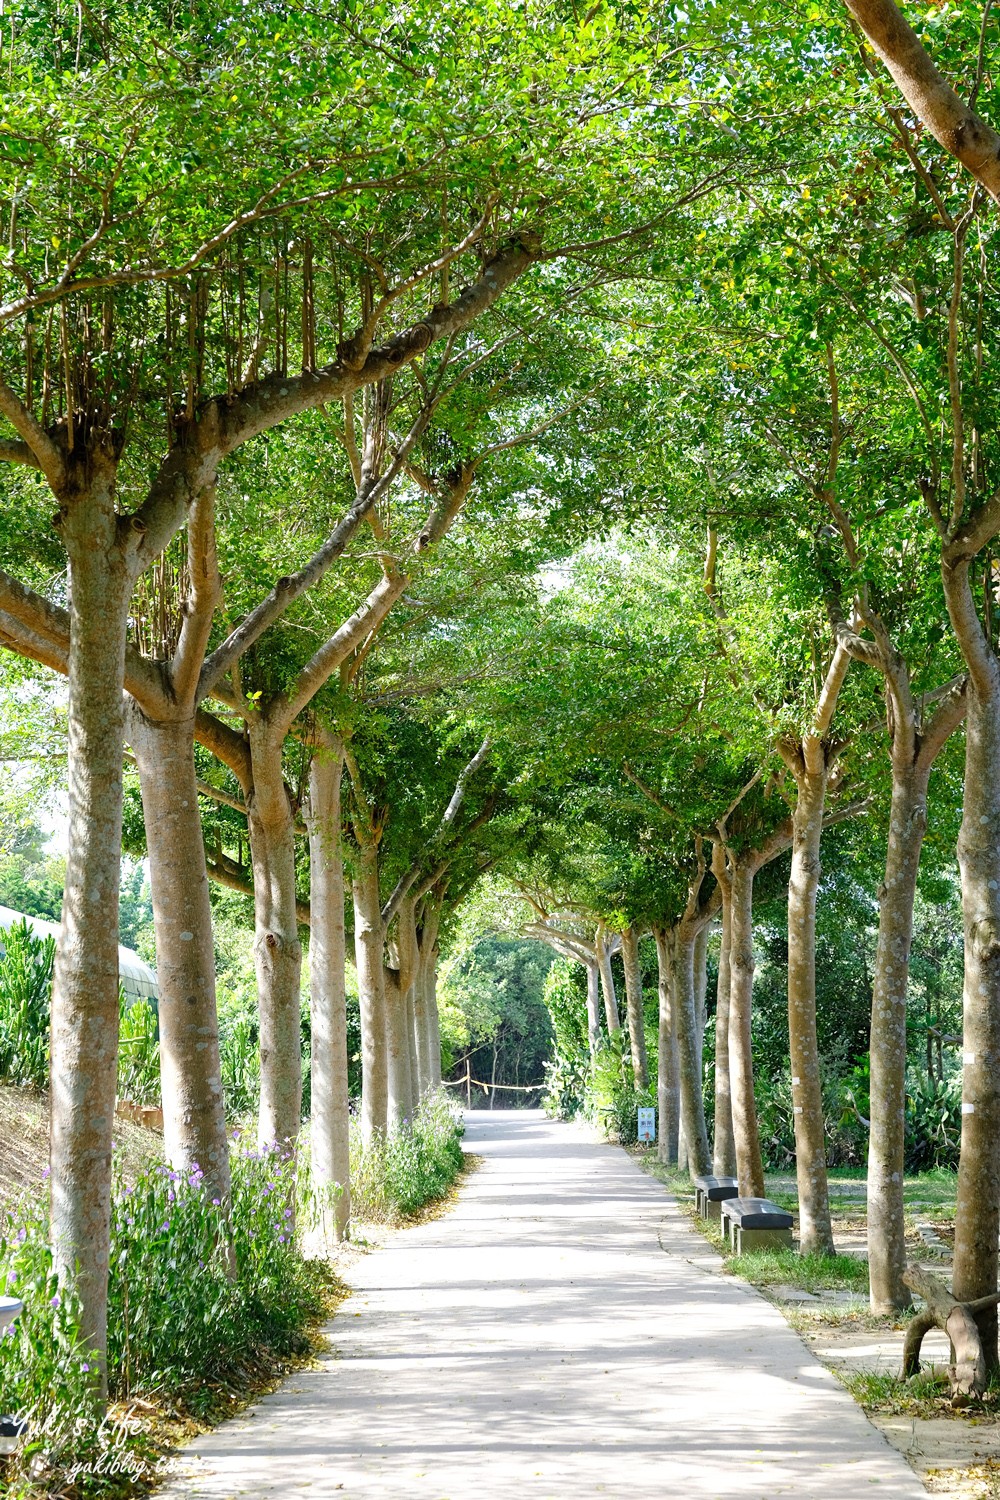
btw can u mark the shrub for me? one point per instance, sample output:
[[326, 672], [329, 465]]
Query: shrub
[[196, 1306], [240, 1056], [25, 1002], [567, 1076], [933, 1121], [395, 1177], [138, 1053], [613, 1098], [25, 991]]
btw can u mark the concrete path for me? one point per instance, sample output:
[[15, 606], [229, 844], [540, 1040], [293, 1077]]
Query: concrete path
[[560, 1333]]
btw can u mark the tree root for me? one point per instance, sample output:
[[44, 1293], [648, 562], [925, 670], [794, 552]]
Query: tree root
[[967, 1371]]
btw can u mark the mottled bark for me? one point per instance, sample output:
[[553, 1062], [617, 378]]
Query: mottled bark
[[399, 1015], [668, 1073], [724, 1145], [749, 1163], [277, 949], [84, 1034], [426, 981], [603, 950], [701, 989], [194, 1119], [886, 1227], [915, 738], [369, 940], [815, 1227], [411, 1035], [636, 1018], [398, 1048], [977, 1213], [809, 760], [699, 1157], [593, 1006], [330, 1125], [421, 1027], [434, 1024]]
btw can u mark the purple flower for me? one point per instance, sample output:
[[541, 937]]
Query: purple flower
[[216, 1202], [55, 1301], [85, 1366]]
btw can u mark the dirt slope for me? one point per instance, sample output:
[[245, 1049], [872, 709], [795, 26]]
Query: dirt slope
[[24, 1144]]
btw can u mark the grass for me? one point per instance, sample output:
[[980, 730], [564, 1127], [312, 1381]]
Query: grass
[[394, 1179], [764, 1268], [925, 1194], [809, 1272], [881, 1391]]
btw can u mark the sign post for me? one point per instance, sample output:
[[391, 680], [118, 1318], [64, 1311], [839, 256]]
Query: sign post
[[647, 1124]]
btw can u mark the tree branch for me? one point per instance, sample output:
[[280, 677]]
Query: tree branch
[[13, 452], [203, 565], [49, 459], [957, 127], [946, 719], [22, 641]]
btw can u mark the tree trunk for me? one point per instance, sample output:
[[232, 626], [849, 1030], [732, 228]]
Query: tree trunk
[[411, 1042], [724, 1150], [593, 1007], [330, 1128], [749, 1165], [421, 1028], [409, 949], [636, 1019], [194, 1117], [399, 1017], [434, 1027], [399, 1103], [608, 987], [815, 1228], [397, 1032], [977, 1214], [369, 946], [699, 1158], [84, 1035], [429, 954], [701, 994], [886, 1229], [667, 1073], [277, 950], [425, 1013]]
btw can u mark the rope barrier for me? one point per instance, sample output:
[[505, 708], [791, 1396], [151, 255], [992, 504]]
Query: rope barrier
[[468, 1080]]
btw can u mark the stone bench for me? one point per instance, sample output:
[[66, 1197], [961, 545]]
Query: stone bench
[[756, 1224], [711, 1192], [10, 1307]]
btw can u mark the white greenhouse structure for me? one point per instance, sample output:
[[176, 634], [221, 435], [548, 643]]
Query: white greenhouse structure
[[137, 979]]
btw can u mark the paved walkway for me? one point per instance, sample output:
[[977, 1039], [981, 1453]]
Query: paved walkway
[[560, 1333]]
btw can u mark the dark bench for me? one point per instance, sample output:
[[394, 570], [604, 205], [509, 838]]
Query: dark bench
[[711, 1192], [756, 1224], [11, 1428]]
